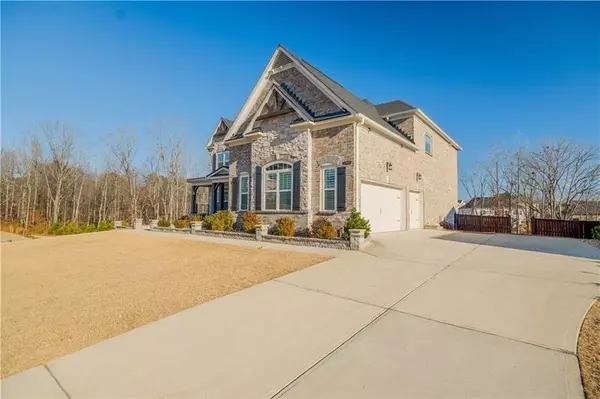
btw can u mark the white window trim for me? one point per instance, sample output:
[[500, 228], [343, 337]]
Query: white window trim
[[323, 169], [222, 153], [265, 191], [430, 152], [242, 176]]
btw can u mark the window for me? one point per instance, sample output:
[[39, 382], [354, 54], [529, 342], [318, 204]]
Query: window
[[329, 180], [428, 144], [278, 187], [222, 159], [243, 203]]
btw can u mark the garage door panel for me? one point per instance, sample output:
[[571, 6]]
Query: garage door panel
[[383, 206]]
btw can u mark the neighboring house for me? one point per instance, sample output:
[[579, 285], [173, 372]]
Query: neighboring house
[[304, 147], [500, 205], [586, 210]]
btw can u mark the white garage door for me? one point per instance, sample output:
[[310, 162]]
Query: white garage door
[[383, 206]]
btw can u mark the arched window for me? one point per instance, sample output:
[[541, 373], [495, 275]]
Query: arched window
[[278, 187]]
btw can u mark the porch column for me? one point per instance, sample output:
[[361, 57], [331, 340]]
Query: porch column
[[194, 207], [214, 199]]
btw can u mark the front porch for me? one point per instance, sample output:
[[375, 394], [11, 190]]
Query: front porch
[[210, 194]]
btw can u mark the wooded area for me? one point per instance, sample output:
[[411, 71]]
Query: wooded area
[[551, 180], [47, 179]]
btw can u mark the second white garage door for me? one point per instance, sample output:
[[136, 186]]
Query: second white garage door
[[383, 206]]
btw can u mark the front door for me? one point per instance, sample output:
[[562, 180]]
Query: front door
[[415, 210]]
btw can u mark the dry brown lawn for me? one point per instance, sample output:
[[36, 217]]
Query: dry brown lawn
[[588, 352], [62, 294]]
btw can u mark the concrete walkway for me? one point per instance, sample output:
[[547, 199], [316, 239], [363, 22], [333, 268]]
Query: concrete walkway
[[417, 315]]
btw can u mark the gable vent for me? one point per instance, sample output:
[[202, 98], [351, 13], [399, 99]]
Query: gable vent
[[281, 60]]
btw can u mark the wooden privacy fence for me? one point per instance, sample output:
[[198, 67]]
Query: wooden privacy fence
[[563, 228], [484, 224]]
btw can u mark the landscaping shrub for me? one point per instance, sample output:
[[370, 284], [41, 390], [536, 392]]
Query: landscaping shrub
[[197, 218], [124, 223], [322, 228], [55, 228], [88, 228], [105, 225], [596, 233], [249, 222], [220, 221], [286, 227], [356, 221], [182, 224], [164, 223], [71, 228]]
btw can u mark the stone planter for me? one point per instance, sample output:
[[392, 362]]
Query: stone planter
[[261, 230], [138, 224], [196, 226], [153, 223], [118, 223]]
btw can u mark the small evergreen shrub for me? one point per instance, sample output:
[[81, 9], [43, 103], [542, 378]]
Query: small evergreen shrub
[[596, 233], [105, 225], [322, 228], [356, 221], [286, 227], [164, 223], [55, 228], [220, 221], [182, 224], [124, 223], [249, 222], [88, 228]]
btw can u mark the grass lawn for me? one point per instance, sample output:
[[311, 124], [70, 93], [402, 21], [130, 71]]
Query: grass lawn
[[588, 352], [61, 294]]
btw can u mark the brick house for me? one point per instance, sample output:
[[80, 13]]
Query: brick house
[[304, 147]]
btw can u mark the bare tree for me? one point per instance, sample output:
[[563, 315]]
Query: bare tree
[[124, 149]]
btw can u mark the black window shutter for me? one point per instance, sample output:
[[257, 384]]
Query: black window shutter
[[258, 188], [234, 194], [296, 186], [341, 189], [214, 162]]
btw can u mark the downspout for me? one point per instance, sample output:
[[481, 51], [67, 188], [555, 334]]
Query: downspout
[[356, 167]]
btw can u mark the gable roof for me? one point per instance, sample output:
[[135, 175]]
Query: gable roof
[[226, 122], [360, 106], [393, 107]]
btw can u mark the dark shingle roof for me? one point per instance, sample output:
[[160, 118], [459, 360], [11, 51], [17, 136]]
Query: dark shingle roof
[[360, 106], [228, 122], [393, 107]]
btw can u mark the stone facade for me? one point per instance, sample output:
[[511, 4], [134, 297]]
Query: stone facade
[[439, 181], [332, 147], [308, 92]]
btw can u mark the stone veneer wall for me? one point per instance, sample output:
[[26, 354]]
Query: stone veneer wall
[[335, 147], [439, 183], [306, 91]]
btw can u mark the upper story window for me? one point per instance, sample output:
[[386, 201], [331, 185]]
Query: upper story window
[[329, 185], [222, 159], [428, 144], [278, 187]]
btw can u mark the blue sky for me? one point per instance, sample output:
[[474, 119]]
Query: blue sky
[[485, 72]]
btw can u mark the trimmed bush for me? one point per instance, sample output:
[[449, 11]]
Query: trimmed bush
[[220, 221], [596, 233], [322, 228], [88, 228], [182, 224], [55, 228], [124, 223], [164, 223], [356, 221], [286, 227], [105, 225], [249, 222]]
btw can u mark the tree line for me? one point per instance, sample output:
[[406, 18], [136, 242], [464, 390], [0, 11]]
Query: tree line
[[48, 179], [553, 180]]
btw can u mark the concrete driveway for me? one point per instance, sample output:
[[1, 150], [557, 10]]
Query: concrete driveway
[[419, 314]]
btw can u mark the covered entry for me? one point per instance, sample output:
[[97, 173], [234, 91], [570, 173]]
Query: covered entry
[[383, 206], [217, 184]]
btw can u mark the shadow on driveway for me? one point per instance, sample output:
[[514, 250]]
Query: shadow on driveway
[[549, 245]]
